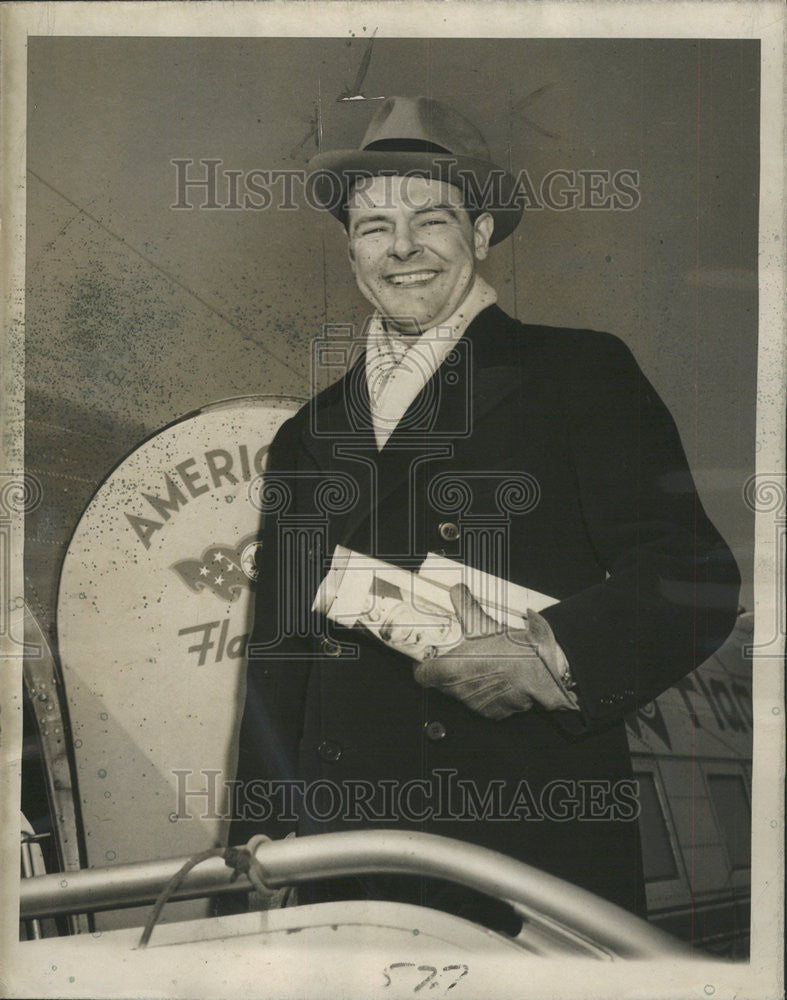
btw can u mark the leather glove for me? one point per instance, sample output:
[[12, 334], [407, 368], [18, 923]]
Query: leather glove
[[496, 671]]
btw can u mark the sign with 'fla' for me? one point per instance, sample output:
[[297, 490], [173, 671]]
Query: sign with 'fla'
[[154, 612]]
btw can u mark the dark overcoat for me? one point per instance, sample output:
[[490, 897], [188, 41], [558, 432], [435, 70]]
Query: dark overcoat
[[542, 455]]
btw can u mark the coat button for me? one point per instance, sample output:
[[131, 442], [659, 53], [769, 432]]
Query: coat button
[[434, 731], [330, 647], [330, 750], [449, 532]]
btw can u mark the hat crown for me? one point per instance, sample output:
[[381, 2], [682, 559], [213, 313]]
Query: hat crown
[[418, 136], [408, 123]]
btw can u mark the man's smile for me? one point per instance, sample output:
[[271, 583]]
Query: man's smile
[[411, 278]]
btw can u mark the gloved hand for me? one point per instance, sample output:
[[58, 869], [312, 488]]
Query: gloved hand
[[496, 671]]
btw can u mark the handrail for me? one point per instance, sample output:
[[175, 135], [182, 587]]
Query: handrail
[[294, 860]]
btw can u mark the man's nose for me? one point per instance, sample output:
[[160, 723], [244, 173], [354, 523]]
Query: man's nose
[[404, 245]]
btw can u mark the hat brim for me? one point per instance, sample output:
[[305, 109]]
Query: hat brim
[[485, 187]]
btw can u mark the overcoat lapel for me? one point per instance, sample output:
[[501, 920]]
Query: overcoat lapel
[[450, 407]]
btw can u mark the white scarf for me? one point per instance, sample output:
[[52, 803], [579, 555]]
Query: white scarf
[[398, 365]]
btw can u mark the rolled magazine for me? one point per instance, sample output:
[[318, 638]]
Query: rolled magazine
[[413, 612]]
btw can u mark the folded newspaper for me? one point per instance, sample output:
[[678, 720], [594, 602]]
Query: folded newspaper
[[413, 612]]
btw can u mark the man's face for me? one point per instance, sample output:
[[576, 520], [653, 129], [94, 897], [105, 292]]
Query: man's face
[[413, 249], [406, 625]]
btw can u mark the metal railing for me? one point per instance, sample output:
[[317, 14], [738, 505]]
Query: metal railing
[[562, 908]]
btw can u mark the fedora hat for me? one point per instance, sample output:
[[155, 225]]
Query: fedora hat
[[418, 136]]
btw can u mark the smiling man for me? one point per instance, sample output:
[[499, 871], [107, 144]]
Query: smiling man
[[413, 249], [539, 455]]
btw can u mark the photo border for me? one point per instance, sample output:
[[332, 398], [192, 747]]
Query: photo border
[[761, 975]]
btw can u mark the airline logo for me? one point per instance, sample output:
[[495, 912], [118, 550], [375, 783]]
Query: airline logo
[[224, 571]]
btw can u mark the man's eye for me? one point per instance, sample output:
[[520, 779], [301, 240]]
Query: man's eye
[[434, 222], [371, 230]]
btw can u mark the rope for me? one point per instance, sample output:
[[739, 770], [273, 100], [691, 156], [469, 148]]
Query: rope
[[244, 862], [240, 859]]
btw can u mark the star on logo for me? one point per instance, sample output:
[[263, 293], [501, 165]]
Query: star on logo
[[218, 570]]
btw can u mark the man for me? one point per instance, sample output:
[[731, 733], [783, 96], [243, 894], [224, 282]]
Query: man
[[539, 455]]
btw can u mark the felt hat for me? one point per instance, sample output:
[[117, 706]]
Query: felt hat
[[418, 136]]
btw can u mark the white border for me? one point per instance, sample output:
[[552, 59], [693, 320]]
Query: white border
[[762, 976]]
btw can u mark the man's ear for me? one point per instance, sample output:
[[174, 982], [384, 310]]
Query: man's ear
[[483, 227]]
